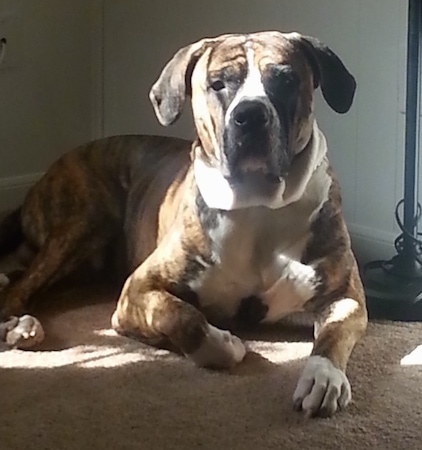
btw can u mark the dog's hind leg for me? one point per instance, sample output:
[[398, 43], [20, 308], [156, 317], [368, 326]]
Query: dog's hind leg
[[64, 250]]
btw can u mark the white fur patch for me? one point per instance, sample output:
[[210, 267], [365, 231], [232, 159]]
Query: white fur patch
[[215, 189], [302, 274], [322, 388], [220, 349], [218, 194], [342, 309], [295, 286]]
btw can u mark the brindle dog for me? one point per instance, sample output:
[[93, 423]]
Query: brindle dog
[[244, 224]]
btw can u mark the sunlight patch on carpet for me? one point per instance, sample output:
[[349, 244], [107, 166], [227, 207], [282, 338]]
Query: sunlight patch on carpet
[[414, 358], [281, 352], [105, 348], [105, 332], [85, 356]]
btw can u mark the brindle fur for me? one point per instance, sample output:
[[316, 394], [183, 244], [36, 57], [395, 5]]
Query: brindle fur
[[138, 196]]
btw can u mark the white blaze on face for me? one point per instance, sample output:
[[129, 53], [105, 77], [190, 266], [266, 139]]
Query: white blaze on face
[[252, 87]]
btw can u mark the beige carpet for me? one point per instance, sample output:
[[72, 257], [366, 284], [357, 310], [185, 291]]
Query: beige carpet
[[88, 388]]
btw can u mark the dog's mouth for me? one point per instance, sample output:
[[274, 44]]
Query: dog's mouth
[[255, 162], [258, 183], [255, 171], [254, 178]]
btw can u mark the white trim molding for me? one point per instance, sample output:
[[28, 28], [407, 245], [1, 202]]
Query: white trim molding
[[13, 189], [370, 244]]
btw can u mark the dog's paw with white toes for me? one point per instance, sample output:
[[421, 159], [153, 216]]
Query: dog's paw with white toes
[[26, 332], [322, 388], [219, 350]]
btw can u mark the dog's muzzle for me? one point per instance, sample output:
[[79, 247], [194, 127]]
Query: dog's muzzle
[[250, 142]]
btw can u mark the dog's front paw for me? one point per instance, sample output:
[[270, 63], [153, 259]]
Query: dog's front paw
[[322, 388], [219, 350], [26, 332]]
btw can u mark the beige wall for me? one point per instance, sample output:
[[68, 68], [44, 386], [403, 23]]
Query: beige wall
[[59, 95], [366, 145], [46, 98]]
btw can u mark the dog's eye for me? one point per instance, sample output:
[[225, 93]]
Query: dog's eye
[[284, 74], [217, 85]]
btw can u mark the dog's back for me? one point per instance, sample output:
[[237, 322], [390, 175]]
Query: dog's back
[[96, 176], [93, 184]]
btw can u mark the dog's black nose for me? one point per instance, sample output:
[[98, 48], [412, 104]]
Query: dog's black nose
[[250, 113]]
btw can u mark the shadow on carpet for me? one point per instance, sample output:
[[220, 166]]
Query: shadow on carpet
[[86, 387]]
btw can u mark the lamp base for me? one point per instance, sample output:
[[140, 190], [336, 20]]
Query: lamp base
[[392, 297]]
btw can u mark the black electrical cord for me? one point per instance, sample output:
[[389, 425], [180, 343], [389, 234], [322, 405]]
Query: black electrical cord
[[399, 241], [415, 240]]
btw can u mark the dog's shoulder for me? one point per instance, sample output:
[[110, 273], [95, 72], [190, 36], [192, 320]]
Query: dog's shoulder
[[328, 232]]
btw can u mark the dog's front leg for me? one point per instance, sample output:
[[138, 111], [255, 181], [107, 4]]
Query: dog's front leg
[[148, 311], [323, 386]]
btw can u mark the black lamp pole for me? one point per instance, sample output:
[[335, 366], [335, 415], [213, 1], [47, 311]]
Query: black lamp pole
[[410, 205]]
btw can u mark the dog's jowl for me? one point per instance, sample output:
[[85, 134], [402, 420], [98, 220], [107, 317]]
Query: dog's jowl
[[244, 225]]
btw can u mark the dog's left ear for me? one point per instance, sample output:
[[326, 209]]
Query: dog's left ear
[[337, 84], [168, 94]]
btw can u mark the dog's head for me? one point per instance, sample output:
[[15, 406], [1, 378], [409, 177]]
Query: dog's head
[[252, 102]]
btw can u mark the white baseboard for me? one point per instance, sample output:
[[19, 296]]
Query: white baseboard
[[370, 244], [13, 189]]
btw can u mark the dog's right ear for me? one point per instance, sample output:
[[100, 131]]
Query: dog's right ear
[[337, 84], [169, 92]]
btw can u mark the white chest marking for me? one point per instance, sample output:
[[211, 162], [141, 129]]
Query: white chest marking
[[218, 194], [215, 189], [282, 282], [233, 277]]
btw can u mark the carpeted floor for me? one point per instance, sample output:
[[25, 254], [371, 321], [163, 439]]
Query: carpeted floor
[[87, 388]]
